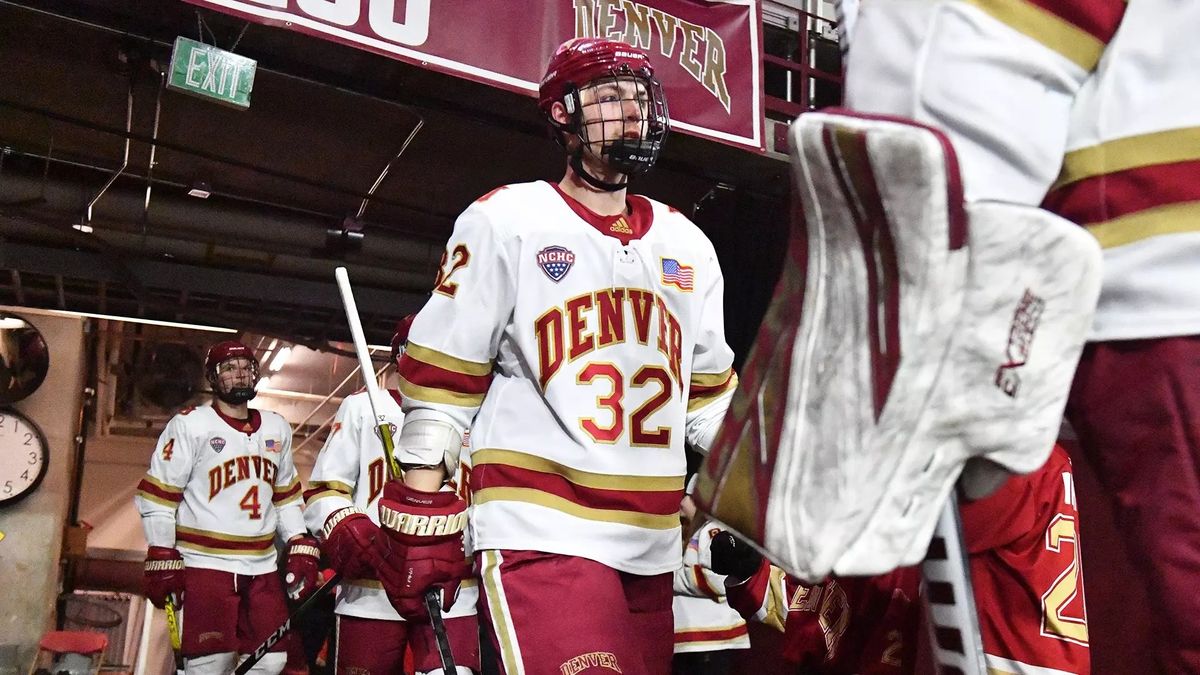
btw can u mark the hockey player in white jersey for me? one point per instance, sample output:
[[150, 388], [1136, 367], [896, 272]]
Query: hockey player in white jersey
[[707, 629], [341, 508], [581, 328], [220, 488]]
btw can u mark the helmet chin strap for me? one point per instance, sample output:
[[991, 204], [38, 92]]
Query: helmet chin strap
[[577, 165]]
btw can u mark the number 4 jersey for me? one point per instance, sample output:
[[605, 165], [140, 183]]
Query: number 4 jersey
[[591, 347], [226, 485]]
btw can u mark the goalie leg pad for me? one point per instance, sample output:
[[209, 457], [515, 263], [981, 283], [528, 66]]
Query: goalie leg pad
[[917, 313]]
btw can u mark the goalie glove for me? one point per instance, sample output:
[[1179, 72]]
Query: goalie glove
[[421, 547], [163, 576], [303, 566], [350, 543]]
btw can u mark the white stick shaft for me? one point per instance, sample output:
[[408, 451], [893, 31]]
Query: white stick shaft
[[360, 341]]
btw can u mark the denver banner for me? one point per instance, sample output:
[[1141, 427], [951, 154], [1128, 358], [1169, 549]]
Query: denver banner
[[707, 53]]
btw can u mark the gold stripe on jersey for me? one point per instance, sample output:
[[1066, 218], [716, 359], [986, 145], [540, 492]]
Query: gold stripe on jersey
[[161, 485], [602, 481], [157, 499], [1131, 152], [698, 401], [447, 362], [536, 497], [1168, 219], [1071, 42], [322, 489], [711, 379], [498, 610], [247, 545], [444, 396], [335, 485], [281, 496]]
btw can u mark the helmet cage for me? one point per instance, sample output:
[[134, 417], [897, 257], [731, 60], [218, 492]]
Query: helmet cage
[[627, 155], [219, 355]]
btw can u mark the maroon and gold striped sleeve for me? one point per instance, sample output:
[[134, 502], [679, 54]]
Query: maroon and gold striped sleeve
[[1132, 188], [706, 388], [429, 376], [154, 490]]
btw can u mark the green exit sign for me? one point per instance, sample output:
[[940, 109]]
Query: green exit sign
[[214, 74]]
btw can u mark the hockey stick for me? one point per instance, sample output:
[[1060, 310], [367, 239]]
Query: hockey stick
[[173, 629], [432, 601], [953, 622], [364, 363], [245, 666]]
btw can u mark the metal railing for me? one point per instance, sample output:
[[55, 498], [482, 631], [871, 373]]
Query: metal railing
[[809, 76]]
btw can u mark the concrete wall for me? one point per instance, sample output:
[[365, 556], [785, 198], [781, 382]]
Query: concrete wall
[[33, 528]]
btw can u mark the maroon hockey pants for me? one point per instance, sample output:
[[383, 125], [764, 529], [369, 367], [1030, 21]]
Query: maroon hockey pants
[[1135, 406]]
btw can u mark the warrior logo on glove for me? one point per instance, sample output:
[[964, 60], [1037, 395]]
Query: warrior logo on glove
[[422, 547]]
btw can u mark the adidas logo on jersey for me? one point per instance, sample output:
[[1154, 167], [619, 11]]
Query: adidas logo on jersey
[[620, 226]]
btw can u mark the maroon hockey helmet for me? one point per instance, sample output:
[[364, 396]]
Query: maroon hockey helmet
[[581, 62], [222, 352], [400, 338]]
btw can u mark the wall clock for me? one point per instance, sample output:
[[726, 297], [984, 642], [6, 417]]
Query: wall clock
[[24, 456]]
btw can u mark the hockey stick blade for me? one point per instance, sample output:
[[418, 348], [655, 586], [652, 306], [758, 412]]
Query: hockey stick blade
[[173, 630], [433, 604], [277, 635]]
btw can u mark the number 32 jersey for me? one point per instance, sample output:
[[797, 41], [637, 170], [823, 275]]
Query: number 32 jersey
[[591, 347], [229, 485]]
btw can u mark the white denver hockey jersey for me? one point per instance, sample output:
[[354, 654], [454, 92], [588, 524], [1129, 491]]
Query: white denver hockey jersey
[[350, 471], [589, 353], [704, 621], [228, 485]]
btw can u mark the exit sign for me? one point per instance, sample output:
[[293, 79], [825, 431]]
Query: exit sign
[[214, 74]]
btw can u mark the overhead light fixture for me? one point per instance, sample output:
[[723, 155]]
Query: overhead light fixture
[[82, 227], [199, 188]]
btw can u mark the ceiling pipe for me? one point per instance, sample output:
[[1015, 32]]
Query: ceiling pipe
[[125, 158]]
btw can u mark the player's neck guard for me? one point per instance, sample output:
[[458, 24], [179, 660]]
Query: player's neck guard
[[577, 165]]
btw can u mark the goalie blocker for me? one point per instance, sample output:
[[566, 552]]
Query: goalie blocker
[[920, 332]]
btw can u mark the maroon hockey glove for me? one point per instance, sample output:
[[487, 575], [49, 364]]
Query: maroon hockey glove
[[303, 566], [163, 576], [421, 547], [350, 543]]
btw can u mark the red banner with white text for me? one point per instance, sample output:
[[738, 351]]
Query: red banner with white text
[[706, 53]]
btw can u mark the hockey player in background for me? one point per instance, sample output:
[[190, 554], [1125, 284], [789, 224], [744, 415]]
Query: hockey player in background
[[341, 507], [1023, 547], [841, 626], [1091, 110], [220, 488], [707, 629], [581, 328]]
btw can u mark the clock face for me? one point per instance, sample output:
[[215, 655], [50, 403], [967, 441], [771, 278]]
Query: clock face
[[23, 457]]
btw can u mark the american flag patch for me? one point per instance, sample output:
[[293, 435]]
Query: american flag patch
[[272, 445], [678, 275]]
